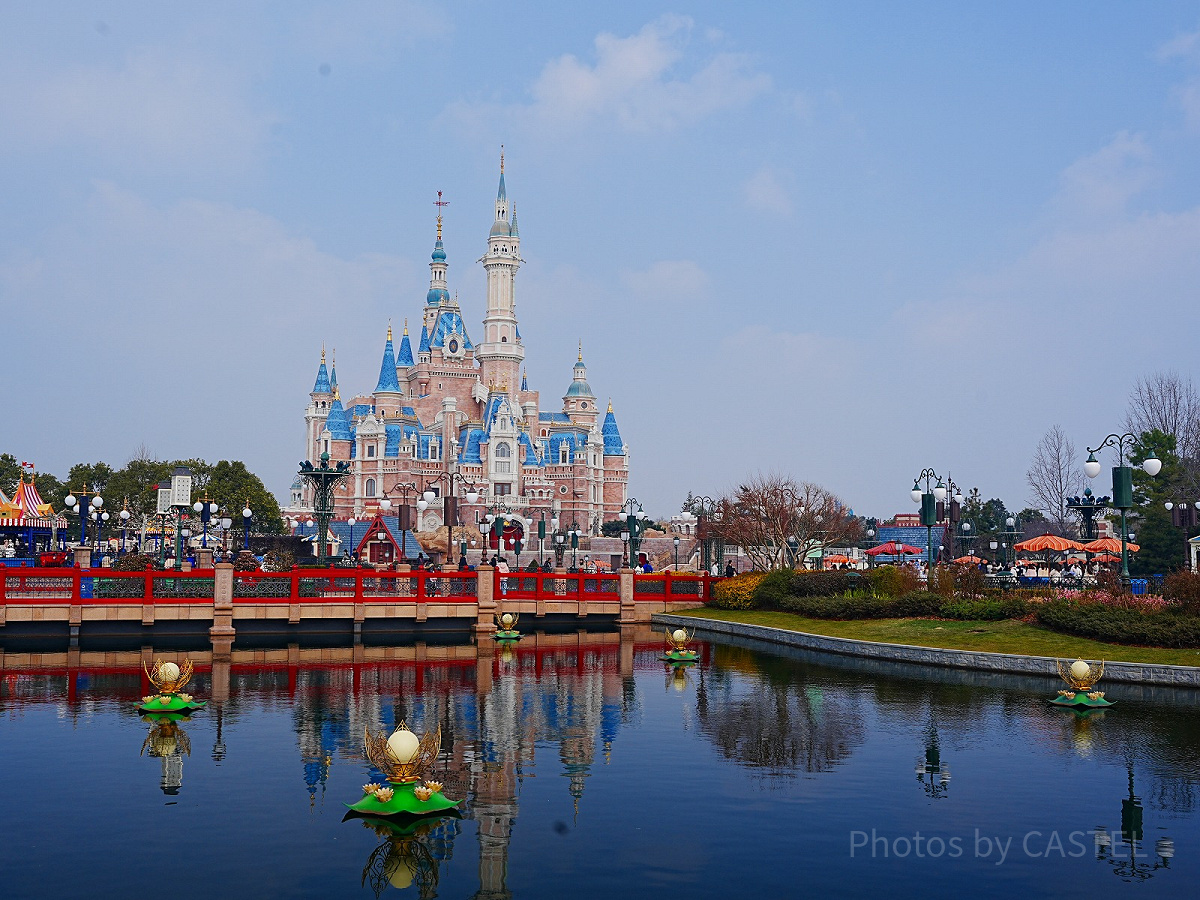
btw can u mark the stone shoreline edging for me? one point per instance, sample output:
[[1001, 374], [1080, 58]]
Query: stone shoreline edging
[[1134, 673]]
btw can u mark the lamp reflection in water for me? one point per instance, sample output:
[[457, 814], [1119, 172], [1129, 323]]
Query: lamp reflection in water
[[932, 773], [409, 855], [1124, 851], [169, 742]]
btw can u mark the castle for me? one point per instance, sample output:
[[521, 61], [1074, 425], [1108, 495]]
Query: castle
[[459, 413]]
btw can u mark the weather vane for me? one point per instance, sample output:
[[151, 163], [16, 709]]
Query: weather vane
[[439, 203]]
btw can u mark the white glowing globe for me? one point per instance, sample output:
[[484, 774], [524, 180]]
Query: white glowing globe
[[1080, 669], [404, 745], [679, 635], [506, 620], [168, 671]]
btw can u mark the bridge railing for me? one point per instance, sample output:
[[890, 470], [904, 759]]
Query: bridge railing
[[62, 586]]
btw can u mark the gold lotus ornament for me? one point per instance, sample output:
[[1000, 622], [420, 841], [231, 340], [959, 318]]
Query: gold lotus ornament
[[1079, 675], [422, 793], [402, 756], [383, 795], [370, 788], [677, 646], [169, 677], [435, 786]]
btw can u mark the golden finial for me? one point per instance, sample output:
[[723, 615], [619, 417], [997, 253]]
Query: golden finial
[[406, 326], [389, 329], [581, 349], [501, 159], [322, 351], [610, 404], [337, 392], [439, 203]]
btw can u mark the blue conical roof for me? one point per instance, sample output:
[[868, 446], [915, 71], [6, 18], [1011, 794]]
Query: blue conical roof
[[337, 422], [423, 347], [387, 369], [405, 357], [322, 386], [613, 445], [500, 194]]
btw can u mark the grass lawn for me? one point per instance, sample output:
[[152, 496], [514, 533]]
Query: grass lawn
[[1009, 636]]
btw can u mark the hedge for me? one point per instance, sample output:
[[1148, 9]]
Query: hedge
[[1169, 628]]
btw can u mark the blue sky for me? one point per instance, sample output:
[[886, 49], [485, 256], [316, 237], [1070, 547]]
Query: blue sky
[[840, 241]]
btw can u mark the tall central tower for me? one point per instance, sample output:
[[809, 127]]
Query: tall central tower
[[501, 352]]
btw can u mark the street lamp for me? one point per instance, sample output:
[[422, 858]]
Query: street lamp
[[705, 510], [403, 514], [1012, 531], [247, 515], [352, 522], [81, 507], [1088, 507], [324, 478], [207, 510], [1122, 482], [226, 524], [574, 533], [676, 543], [99, 518], [1187, 517], [929, 498], [635, 527], [124, 523]]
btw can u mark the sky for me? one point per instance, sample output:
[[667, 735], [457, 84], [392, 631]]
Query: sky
[[838, 241]]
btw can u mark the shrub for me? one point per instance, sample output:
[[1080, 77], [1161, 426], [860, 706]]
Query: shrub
[[245, 562], [737, 592], [774, 589], [823, 584], [854, 605], [1183, 589], [134, 562], [1120, 625], [893, 581], [277, 561], [990, 609], [917, 604]]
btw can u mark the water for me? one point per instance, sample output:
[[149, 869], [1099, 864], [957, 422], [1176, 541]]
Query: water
[[590, 770]]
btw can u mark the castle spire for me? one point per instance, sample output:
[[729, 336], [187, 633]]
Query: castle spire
[[387, 369], [322, 385]]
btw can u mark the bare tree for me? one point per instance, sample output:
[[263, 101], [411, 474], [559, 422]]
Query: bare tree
[[778, 521], [1054, 476], [1169, 402]]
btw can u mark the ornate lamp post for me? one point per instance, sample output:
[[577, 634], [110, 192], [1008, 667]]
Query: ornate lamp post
[[635, 527], [207, 510], [574, 533], [1187, 517], [81, 507], [1122, 476], [676, 543], [1088, 507], [324, 478], [403, 514], [226, 524], [99, 517], [352, 522], [706, 510], [181, 499], [247, 515], [124, 514], [929, 498]]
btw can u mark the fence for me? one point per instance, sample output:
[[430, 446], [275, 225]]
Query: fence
[[58, 586]]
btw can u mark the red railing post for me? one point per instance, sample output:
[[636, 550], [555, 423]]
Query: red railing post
[[294, 584], [148, 585]]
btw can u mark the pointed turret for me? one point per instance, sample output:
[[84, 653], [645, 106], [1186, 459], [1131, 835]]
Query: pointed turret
[[438, 293], [322, 386], [404, 357], [387, 369], [613, 445], [338, 422], [524, 380], [333, 371], [500, 352], [579, 386]]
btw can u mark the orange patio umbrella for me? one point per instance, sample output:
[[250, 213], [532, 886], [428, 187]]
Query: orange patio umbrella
[[1048, 542], [1106, 558], [1108, 545], [970, 560], [837, 559]]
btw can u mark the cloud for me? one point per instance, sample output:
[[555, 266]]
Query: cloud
[[1181, 46], [1102, 183], [668, 281], [204, 324], [765, 191], [652, 81], [151, 110], [358, 32]]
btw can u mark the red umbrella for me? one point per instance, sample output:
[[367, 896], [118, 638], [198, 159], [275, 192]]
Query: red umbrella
[[1048, 542], [969, 560], [894, 548]]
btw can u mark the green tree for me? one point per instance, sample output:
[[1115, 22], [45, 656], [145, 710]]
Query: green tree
[[137, 484], [51, 490], [1162, 544], [10, 473], [94, 475], [232, 485]]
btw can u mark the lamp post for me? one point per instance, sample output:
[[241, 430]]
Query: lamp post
[[124, 514], [99, 517], [706, 510], [324, 478], [1012, 531], [870, 534], [676, 543], [226, 524], [247, 515], [1187, 517], [181, 499], [1088, 508], [352, 522], [929, 498], [403, 514], [635, 526], [207, 510], [82, 507], [1122, 484], [574, 533]]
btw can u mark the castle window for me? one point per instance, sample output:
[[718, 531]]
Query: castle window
[[504, 339], [433, 450], [503, 450], [370, 487], [562, 455], [370, 450], [501, 490]]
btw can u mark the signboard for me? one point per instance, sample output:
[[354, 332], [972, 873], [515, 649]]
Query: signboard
[[181, 490], [164, 501]]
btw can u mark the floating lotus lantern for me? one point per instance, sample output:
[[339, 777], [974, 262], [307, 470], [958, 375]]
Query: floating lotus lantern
[[169, 680], [403, 759], [677, 647], [170, 743], [506, 627], [1081, 678], [403, 858]]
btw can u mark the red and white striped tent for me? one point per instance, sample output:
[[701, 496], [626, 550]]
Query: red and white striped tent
[[26, 509]]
